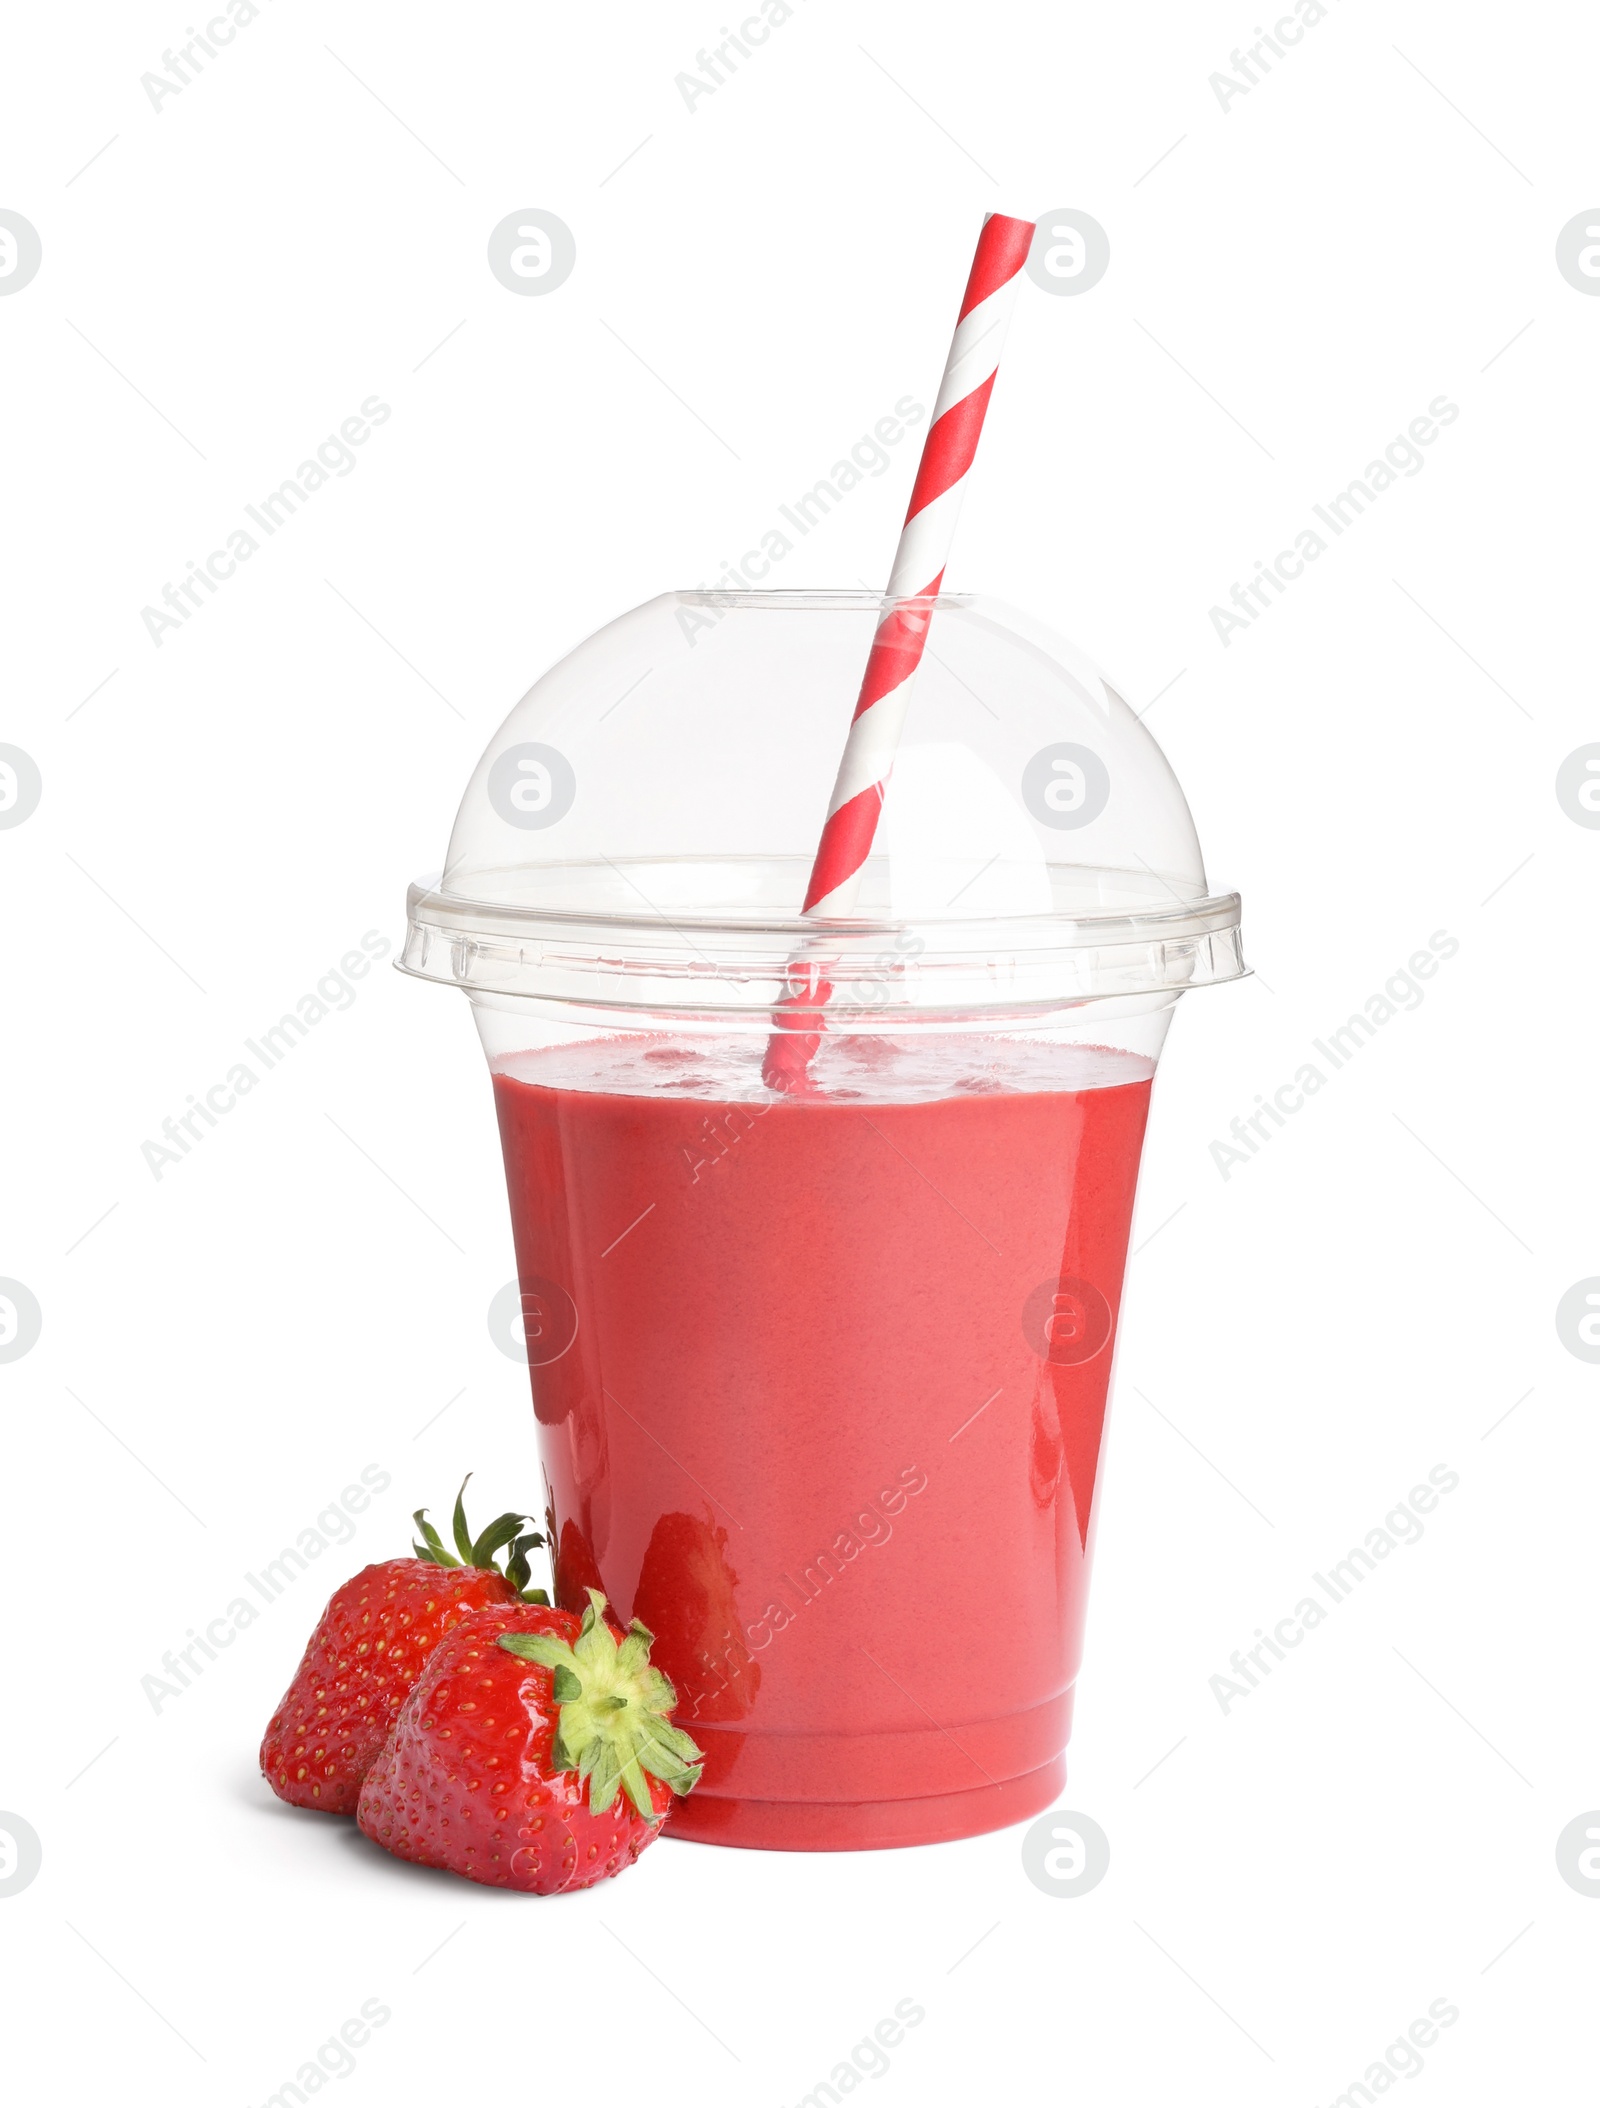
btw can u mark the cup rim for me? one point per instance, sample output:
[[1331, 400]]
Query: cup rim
[[679, 959]]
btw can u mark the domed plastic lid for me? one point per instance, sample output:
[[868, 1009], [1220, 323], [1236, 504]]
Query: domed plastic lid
[[639, 832]]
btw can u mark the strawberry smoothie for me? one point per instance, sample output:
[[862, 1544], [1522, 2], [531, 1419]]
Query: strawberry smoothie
[[821, 1384]]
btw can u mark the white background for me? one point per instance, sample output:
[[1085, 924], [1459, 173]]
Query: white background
[[1373, 1294]]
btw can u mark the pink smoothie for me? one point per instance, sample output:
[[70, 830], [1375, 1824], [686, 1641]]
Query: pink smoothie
[[821, 1385]]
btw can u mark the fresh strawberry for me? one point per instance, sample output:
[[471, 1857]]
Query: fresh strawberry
[[369, 1648], [534, 1753]]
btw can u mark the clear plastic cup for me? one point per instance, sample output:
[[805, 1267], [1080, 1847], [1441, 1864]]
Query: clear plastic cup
[[821, 1377]]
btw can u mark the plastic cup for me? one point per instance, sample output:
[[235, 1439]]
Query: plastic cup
[[821, 1378]]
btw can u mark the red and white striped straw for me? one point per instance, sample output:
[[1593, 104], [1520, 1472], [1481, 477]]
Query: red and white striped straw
[[902, 634], [919, 563]]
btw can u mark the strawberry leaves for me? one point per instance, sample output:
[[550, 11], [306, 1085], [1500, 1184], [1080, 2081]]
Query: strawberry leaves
[[612, 1726], [506, 1530]]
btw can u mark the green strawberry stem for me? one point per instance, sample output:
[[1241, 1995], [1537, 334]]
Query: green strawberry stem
[[613, 1725], [481, 1552]]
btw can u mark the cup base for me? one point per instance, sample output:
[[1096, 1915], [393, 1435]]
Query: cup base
[[865, 1826]]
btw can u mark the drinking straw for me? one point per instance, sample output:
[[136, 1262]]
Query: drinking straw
[[902, 634]]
